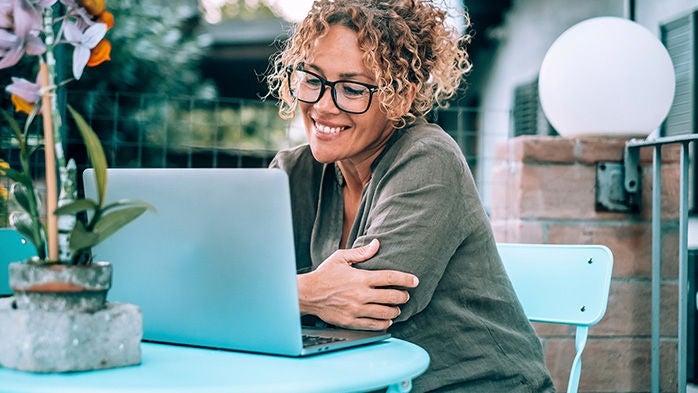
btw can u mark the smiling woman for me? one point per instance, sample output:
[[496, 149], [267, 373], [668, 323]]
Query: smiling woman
[[390, 232]]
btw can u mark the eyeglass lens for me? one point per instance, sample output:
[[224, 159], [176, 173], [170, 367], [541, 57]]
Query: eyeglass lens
[[352, 97]]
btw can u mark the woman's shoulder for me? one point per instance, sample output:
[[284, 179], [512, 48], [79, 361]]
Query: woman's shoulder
[[298, 158], [423, 134], [428, 144]]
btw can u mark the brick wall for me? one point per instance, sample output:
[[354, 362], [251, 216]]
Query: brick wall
[[543, 191]]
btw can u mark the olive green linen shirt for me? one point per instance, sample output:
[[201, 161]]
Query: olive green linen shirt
[[422, 204]]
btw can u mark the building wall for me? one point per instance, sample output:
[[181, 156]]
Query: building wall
[[653, 13], [541, 190], [529, 28], [545, 193]]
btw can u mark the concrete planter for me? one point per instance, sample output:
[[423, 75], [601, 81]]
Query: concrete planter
[[59, 320], [58, 287]]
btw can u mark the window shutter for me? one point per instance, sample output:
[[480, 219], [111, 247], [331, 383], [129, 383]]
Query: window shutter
[[679, 37], [529, 118]]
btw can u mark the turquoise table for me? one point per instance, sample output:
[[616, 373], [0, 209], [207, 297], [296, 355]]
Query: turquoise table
[[166, 368]]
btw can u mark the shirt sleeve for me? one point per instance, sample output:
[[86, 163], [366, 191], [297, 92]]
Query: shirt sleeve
[[423, 209], [304, 174]]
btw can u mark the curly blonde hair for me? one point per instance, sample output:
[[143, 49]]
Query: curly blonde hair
[[405, 42]]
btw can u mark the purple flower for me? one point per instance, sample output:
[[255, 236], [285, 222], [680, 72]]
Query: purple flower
[[83, 43], [7, 40], [6, 15], [22, 88], [80, 14], [16, 46], [25, 38], [27, 17]]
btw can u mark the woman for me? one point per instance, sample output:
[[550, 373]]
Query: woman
[[390, 231]]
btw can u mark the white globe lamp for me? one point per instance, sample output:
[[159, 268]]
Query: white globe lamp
[[606, 76]]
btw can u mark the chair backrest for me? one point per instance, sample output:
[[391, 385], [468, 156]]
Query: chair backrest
[[13, 247], [565, 284]]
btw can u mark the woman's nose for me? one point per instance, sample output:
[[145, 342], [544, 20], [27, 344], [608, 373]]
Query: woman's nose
[[326, 103]]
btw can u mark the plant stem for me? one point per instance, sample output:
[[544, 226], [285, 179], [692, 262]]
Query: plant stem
[[50, 157], [55, 158]]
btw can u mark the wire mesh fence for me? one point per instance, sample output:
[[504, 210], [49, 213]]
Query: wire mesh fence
[[157, 131]]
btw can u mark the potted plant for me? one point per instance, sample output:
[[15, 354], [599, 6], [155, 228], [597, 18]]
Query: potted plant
[[62, 285]]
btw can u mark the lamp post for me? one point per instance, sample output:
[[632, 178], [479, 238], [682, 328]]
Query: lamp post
[[606, 76], [609, 76]]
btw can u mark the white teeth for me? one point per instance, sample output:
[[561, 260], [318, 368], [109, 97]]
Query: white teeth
[[327, 130]]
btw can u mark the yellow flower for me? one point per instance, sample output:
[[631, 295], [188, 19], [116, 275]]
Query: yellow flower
[[100, 53], [107, 18], [93, 7], [21, 105]]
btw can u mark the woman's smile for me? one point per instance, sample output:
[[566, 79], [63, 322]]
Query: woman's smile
[[328, 129]]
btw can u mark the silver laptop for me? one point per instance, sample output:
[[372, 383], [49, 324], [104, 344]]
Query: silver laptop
[[215, 265]]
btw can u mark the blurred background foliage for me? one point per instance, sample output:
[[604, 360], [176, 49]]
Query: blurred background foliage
[[243, 9], [152, 92], [155, 50]]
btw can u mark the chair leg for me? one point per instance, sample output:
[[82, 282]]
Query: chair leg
[[580, 341]]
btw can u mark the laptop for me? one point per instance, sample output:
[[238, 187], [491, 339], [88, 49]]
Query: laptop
[[214, 266]]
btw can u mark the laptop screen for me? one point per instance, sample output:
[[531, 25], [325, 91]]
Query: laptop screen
[[214, 266]]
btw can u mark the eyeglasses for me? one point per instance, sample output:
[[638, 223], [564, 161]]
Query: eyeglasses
[[348, 96]]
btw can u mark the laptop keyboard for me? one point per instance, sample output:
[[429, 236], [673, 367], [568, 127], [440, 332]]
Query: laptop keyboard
[[310, 340]]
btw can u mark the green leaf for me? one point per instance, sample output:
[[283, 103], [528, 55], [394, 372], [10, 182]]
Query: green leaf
[[81, 238], [128, 202], [95, 152], [16, 175], [13, 125], [76, 207], [115, 220], [21, 195], [23, 223]]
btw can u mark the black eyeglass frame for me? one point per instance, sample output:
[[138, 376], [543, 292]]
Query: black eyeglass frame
[[324, 84]]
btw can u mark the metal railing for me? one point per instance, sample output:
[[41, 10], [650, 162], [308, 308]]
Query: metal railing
[[632, 149]]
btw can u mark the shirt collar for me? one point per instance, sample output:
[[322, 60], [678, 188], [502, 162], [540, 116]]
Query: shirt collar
[[393, 138]]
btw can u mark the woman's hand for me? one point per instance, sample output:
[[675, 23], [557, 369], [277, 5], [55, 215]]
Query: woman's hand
[[342, 295]]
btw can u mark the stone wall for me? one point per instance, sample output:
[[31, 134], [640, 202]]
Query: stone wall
[[543, 191]]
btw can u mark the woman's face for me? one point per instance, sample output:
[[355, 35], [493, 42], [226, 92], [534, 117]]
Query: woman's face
[[335, 135]]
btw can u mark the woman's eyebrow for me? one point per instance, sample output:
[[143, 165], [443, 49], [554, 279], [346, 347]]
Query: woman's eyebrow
[[352, 75], [342, 76]]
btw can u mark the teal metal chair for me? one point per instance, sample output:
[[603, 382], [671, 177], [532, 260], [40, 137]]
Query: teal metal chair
[[563, 284], [13, 247]]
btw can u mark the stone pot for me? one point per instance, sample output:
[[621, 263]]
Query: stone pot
[[59, 287], [60, 321]]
